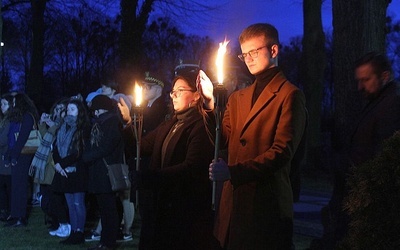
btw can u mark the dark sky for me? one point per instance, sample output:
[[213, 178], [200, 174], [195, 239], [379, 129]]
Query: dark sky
[[285, 15]]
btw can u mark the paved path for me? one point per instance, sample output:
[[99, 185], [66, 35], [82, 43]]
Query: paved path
[[307, 213]]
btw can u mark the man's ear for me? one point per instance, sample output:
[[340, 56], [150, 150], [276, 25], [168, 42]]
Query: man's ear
[[274, 50], [385, 77]]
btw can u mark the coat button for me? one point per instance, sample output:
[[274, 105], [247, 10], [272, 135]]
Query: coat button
[[243, 142]]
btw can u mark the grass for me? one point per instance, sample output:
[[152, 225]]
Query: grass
[[35, 236]]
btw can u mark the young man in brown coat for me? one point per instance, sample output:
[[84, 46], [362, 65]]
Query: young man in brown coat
[[262, 125]]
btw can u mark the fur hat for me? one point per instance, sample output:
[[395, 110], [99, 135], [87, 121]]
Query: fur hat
[[102, 102]]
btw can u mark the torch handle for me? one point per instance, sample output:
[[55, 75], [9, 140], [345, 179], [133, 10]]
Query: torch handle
[[138, 127], [220, 99]]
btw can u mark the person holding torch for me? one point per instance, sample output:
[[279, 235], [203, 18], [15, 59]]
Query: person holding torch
[[180, 149], [262, 125]]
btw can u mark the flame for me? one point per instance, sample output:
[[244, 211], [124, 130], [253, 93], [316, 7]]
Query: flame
[[138, 95], [220, 61]]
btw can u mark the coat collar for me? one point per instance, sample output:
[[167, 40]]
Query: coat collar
[[248, 113]]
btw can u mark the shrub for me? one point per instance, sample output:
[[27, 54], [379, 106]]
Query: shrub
[[374, 200]]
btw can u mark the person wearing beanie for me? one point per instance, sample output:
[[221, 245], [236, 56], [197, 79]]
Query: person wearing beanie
[[105, 143], [90, 97]]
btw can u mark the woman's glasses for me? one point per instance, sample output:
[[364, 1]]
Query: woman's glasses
[[178, 92]]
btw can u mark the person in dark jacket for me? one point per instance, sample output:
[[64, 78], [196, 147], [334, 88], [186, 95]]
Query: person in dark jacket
[[378, 120], [71, 176], [5, 172], [22, 120], [180, 151], [105, 143]]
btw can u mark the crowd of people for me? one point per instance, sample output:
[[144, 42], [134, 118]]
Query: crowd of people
[[262, 127]]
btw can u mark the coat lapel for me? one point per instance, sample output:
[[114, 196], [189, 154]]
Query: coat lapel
[[249, 113]]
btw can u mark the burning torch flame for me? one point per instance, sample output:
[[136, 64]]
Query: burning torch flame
[[220, 61], [138, 95]]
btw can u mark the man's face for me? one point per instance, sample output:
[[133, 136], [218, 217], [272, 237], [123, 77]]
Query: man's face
[[108, 91], [151, 92], [368, 82], [264, 59]]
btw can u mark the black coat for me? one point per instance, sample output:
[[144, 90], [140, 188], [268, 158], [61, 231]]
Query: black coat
[[378, 121], [76, 181], [110, 147], [180, 183]]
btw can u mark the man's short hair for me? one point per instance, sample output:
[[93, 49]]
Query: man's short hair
[[111, 84], [260, 29], [379, 62]]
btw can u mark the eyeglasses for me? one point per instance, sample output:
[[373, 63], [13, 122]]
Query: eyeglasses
[[178, 92], [252, 53]]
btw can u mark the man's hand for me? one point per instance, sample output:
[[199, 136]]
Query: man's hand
[[206, 88], [219, 171], [124, 109]]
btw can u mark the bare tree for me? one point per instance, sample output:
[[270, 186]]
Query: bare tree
[[35, 77], [312, 67], [134, 18]]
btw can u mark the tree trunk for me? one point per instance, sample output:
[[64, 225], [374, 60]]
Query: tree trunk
[[358, 27], [35, 76], [312, 66], [130, 52]]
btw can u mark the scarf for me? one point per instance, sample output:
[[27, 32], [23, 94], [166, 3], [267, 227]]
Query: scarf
[[181, 117], [65, 134], [39, 161]]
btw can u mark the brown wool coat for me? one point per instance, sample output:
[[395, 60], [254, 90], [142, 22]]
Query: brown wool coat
[[261, 143]]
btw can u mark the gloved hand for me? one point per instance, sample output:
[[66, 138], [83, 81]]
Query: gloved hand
[[219, 171]]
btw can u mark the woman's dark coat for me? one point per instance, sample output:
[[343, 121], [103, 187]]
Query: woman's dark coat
[[180, 184], [76, 181], [110, 147]]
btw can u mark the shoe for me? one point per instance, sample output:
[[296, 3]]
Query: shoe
[[100, 246], [94, 236], [125, 237], [39, 198], [64, 230], [16, 222], [75, 238]]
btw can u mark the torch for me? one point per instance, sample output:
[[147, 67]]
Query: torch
[[220, 99], [138, 128]]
